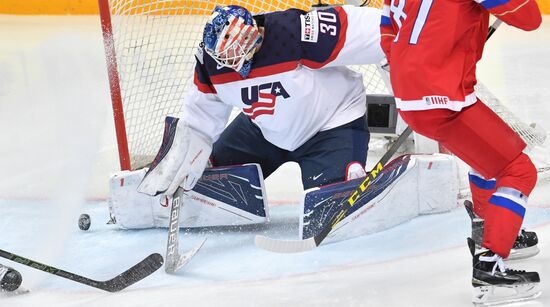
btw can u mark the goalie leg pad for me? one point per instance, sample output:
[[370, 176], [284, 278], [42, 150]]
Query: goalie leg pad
[[233, 195], [223, 196], [431, 179]]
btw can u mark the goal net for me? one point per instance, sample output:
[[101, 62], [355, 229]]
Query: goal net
[[150, 47]]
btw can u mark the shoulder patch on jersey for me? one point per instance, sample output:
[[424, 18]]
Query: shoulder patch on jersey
[[200, 55], [310, 27]]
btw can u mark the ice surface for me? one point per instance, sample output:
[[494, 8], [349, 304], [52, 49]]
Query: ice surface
[[399, 265], [46, 155]]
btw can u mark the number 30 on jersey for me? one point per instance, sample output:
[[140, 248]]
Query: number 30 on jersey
[[327, 22]]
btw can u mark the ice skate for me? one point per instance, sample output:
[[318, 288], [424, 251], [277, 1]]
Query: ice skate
[[525, 245], [494, 284]]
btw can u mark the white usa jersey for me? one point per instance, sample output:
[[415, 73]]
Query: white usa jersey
[[298, 84]]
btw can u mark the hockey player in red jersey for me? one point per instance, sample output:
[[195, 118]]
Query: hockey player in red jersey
[[432, 48]]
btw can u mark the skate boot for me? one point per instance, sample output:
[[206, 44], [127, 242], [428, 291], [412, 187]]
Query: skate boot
[[525, 245], [494, 284], [10, 279]]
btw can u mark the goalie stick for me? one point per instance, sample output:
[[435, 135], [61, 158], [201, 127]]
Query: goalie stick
[[175, 260], [129, 277], [296, 246]]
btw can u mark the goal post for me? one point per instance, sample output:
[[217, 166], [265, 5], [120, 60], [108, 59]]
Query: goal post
[[114, 84]]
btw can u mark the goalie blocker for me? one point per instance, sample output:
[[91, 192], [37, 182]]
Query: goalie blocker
[[232, 195]]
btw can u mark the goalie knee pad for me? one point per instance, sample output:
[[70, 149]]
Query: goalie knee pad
[[355, 170]]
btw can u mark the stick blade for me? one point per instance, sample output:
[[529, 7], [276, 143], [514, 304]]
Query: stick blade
[[284, 246], [134, 274], [182, 259]]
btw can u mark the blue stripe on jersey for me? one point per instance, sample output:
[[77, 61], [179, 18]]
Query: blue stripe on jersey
[[385, 21], [482, 183], [508, 204], [489, 4]]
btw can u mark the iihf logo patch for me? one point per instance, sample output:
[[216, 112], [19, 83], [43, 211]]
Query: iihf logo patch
[[262, 98], [431, 100]]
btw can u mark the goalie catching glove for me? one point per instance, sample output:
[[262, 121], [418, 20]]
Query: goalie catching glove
[[180, 161]]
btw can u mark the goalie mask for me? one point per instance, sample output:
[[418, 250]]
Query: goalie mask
[[231, 37]]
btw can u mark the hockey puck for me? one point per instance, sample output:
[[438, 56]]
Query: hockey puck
[[84, 222], [11, 280]]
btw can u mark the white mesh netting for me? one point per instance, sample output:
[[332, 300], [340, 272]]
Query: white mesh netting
[[154, 42]]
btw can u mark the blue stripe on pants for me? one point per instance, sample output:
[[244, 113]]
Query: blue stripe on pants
[[508, 204], [482, 183]]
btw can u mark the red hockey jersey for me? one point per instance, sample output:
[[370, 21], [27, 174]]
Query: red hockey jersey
[[433, 47]]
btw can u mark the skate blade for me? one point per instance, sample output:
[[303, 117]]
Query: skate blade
[[523, 253], [494, 296]]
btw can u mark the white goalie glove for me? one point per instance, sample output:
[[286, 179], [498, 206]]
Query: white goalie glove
[[180, 161]]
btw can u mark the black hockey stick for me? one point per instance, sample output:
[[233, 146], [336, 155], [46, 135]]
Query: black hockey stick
[[134, 274], [294, 246], [493, 28]]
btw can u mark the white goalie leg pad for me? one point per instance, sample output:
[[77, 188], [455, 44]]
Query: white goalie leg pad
[[223, 196], [407, 187], [130, 208]]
